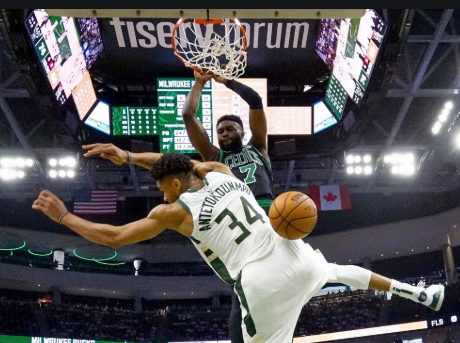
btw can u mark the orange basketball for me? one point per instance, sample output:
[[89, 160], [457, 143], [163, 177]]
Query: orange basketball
[[293, 215]]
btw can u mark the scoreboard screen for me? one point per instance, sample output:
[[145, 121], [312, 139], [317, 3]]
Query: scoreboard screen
[[84, 96], [350, 47], [99, 117], [134, 121], [322, 117], [289, 120], [216, 100], [336, 97], [171, 99], [443, 320], [226, 101], [66, 48]]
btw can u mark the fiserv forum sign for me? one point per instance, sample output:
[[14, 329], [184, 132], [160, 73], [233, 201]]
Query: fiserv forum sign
[[139, 50]]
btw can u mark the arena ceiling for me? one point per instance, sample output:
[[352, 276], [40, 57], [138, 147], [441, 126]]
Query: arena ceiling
[[417, 71]]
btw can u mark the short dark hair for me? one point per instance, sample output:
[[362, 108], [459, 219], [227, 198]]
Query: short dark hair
[[171, 163], [231, 117]]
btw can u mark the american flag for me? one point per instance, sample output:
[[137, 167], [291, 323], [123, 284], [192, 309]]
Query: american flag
[[95, 201]]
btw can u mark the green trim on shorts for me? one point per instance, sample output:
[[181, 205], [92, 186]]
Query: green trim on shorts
[[250, 326]]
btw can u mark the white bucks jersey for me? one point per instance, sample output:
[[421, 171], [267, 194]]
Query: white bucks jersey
[[230, 228]]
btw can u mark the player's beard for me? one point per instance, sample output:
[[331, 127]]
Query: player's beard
[[231, 144]]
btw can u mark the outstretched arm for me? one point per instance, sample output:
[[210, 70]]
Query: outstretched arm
[[195, 130], [201, 169], [257, 118], [160, 218], [118, 156]]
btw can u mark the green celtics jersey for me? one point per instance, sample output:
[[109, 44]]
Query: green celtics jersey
[[230, 228], [251, 167]]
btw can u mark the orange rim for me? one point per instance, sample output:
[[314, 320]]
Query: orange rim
[[204, 22], [173, 34]]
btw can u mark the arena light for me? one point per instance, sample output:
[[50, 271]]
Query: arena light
[[350, 159], [400, 163], [62, 167], [367, 170], [359, 164], [442, 117], [52, 173], [457, 140], [13, 168]]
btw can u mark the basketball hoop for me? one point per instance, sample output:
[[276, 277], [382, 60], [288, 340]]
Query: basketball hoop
[[211, 46]]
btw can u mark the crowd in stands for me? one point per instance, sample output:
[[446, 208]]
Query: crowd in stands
[[348, 310], [94, 318], [105, 319], [17, 313], [198, 326]]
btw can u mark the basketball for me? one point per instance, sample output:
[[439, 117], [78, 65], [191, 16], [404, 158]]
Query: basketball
[[293, 215]]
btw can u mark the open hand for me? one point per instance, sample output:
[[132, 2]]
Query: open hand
[[50, 205], [107, 151]]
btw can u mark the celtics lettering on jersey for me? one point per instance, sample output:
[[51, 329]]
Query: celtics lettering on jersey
[[251, 167], [247, 161]]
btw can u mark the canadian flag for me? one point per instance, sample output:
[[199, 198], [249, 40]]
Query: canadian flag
[[331, 197]]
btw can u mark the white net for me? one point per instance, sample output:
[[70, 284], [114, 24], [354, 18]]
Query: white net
[[200, 47]]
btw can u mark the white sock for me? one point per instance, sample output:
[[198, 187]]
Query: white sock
[[405, 290]]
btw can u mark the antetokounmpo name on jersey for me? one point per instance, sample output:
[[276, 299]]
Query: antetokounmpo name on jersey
[[204, 219], [242, 158]]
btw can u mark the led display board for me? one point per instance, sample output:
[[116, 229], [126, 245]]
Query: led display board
[[289, 120], [322, 117], [84, 96], [443, 320], [66, 48], [336, 97], [134, 121], [350, 47], [58, 48], [171, 99], [216, 100], [90, 39], [99, 118], [226, 101]]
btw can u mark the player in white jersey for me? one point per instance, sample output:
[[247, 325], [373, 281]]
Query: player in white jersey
[[273, 277], [220, 202]]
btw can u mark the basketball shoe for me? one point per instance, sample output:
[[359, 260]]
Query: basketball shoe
[[432, 297]]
